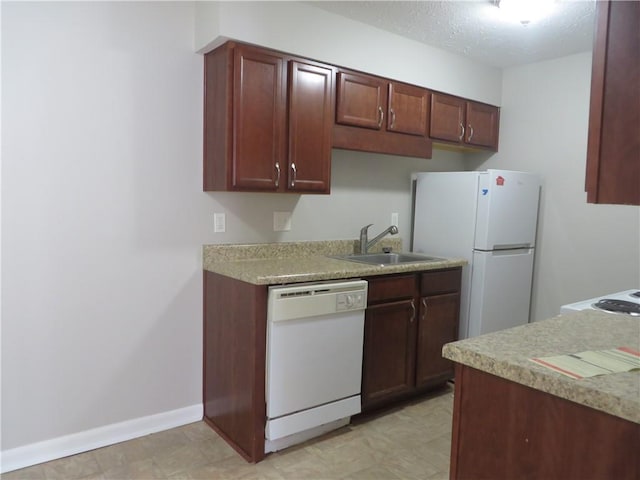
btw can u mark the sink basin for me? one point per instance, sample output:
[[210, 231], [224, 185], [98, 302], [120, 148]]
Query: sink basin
[[388, 258]]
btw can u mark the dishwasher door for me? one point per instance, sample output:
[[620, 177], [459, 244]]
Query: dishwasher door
[[314, 355]]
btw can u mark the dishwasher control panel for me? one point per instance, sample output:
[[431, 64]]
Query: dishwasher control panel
[[351, 301]]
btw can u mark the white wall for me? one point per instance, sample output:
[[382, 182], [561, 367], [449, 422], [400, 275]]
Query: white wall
[[103, 217], [584, 250], [302, 29]]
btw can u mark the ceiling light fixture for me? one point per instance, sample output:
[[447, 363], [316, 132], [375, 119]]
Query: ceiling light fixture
[[525, 11]]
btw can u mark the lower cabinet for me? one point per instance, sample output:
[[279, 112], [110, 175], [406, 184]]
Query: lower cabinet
[[389, 350], [408, 320]]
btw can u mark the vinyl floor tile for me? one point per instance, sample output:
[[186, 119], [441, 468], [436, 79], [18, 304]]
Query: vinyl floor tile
[[412, 441]]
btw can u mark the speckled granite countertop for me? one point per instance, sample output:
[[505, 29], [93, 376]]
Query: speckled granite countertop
[[506, 354], [277, 263]]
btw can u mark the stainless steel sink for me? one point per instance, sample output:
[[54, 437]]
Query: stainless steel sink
[[388, 258]]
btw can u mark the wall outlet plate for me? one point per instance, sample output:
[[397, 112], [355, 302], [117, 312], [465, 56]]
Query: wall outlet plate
[[219, 222], [281, 221]]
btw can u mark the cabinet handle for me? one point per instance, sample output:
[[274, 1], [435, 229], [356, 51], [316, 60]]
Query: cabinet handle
[[462, 132], [393, 117], [380, 116], [294, 173], [470, 133], [413, 312], [424, 308], [277, 174]]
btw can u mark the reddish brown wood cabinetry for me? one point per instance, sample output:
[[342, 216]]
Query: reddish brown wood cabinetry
[[408, 320], [613, 152], [502, 429], [378, 115], [457, 121], [439, 317], [235, 332], [397, 342], [267, 121], [389, 338]]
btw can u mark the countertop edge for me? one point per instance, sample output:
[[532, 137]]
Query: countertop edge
[[544, 380], [279, 271]]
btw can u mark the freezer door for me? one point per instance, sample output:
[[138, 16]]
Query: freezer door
[[500, 290], [445, 213], [507, 210]]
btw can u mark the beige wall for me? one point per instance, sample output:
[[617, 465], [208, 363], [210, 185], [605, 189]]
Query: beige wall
[[584, 250]]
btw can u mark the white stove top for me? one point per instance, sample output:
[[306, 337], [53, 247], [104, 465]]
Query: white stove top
[[627, 295]]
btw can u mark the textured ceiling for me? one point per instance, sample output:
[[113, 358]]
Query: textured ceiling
[[477, 29]]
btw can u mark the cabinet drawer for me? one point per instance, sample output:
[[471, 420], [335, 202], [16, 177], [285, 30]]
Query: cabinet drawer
[[391, 288], [440, 281]]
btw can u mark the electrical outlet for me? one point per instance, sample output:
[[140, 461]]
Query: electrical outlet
[[394, 219], [281, 221], [219, 222]]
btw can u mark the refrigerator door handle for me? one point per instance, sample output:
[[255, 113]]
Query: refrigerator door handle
[[513, 246]]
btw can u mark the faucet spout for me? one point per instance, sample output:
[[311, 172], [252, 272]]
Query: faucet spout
[[366, 244]]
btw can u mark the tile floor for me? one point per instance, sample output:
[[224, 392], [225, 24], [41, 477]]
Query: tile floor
[[408, 442]]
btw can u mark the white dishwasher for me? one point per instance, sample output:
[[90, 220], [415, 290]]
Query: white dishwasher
[[314, 359]]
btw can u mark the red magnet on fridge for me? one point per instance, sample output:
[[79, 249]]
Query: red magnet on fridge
[[500, 181]]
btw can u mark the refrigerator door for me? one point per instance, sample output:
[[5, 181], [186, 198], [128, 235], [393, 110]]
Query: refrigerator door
[[507, 210], [500, 290], [445, 213]]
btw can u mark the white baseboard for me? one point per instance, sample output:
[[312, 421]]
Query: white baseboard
[[44, 451]]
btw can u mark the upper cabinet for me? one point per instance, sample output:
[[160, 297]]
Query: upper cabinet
[[361, 100], [613, 151], [271, 120], [374, 114], [267, 121], [464, 123]]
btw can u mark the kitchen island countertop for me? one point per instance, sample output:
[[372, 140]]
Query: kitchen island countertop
[[279, 263], [507, 354]]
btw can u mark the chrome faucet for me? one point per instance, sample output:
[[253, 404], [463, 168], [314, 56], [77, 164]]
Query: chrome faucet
[[366, 244]]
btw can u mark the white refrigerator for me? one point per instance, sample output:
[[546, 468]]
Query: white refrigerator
[[488, 218]]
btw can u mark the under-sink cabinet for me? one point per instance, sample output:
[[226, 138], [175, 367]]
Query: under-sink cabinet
[[267, 121], [408, 320]]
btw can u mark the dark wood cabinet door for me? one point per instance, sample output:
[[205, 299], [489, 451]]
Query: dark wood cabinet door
[[310, 125], [613, 150], [408, 109], [482, 125], [447, 117], [361, 100], [438, 324], [258, 119], [389, 350]]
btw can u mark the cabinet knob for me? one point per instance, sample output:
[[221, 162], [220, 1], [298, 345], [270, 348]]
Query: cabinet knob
[[393, 117], [294, 174], [277, 174], [462, 131], [470, 133], [380, 116]]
